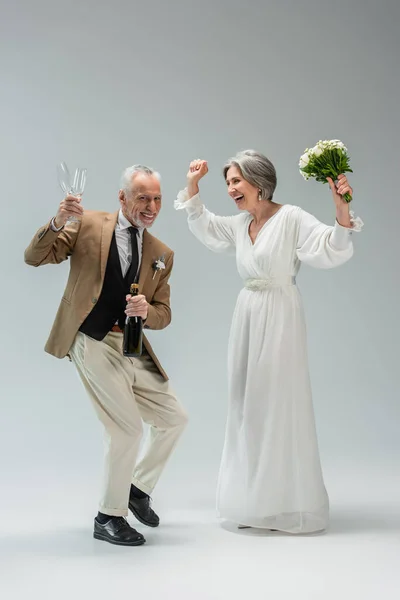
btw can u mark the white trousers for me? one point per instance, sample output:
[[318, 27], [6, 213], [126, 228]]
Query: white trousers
[[125, 392]]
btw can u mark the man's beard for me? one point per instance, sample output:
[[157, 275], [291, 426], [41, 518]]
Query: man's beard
[[137, 221], [140, 223]]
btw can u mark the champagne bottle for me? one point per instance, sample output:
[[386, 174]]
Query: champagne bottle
[[133, 331]]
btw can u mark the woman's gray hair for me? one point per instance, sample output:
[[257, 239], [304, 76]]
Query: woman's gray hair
[[126, 178], [257, 170]]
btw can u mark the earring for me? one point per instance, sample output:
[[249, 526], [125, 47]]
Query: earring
[[259, 195]]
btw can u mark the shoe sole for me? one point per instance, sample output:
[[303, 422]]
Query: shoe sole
[[142, 521], [102, 538], [250, 527]]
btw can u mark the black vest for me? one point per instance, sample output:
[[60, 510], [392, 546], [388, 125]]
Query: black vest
[[110, 307]]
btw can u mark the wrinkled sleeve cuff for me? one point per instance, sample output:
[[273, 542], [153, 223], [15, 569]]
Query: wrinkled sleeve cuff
[[53, 227], [192, 205], [341, 235]]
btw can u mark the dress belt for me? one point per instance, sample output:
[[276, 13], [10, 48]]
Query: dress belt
[[258, 285]]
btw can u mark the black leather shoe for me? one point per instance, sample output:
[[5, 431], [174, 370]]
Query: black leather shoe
[[142, 510], [117, 531]]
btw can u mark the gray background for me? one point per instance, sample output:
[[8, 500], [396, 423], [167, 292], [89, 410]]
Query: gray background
[[162, 83]]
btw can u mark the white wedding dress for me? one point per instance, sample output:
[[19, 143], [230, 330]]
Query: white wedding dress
[[270, 475]]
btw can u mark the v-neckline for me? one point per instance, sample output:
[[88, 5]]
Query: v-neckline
[[266, 223]]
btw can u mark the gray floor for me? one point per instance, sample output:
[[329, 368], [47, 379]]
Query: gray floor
[[46, 550]]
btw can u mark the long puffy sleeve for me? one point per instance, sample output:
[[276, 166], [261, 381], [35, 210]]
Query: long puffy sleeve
[[323, 246], [216, 233]]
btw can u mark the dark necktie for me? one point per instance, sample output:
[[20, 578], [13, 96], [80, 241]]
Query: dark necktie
[[131, 273]]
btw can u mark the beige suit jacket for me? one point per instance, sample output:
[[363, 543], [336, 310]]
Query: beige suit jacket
[[87, 245]]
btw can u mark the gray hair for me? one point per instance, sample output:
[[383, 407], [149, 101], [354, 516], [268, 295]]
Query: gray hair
[[257, 170], [129, 172]]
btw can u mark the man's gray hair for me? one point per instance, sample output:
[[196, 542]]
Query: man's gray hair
[[126, 178], [257, 170]]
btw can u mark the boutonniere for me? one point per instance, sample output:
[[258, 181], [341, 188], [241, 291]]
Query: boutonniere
[[158, 265]]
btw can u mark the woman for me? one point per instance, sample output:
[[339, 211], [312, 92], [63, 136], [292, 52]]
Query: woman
[[270, 474]]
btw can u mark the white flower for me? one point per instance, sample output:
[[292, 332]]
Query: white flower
[[308, 161], [318, 150], [304, 160], [159, 264], [337, 144]]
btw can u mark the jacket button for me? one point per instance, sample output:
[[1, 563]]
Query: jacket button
[[94, 300]]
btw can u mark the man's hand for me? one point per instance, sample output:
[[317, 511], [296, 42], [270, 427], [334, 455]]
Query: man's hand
[[137, 306], [69, 207]]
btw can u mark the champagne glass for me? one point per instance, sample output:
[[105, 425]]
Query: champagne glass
[[75, 187], [64, 178], [79, 181], [78, 186]]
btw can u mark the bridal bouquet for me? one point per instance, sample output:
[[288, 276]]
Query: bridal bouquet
[[328, 158]]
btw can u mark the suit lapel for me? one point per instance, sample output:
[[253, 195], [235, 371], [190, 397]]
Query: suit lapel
[[147, 259], [109, 224]]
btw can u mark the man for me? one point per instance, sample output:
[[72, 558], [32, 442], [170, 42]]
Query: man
[[107, 253]]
